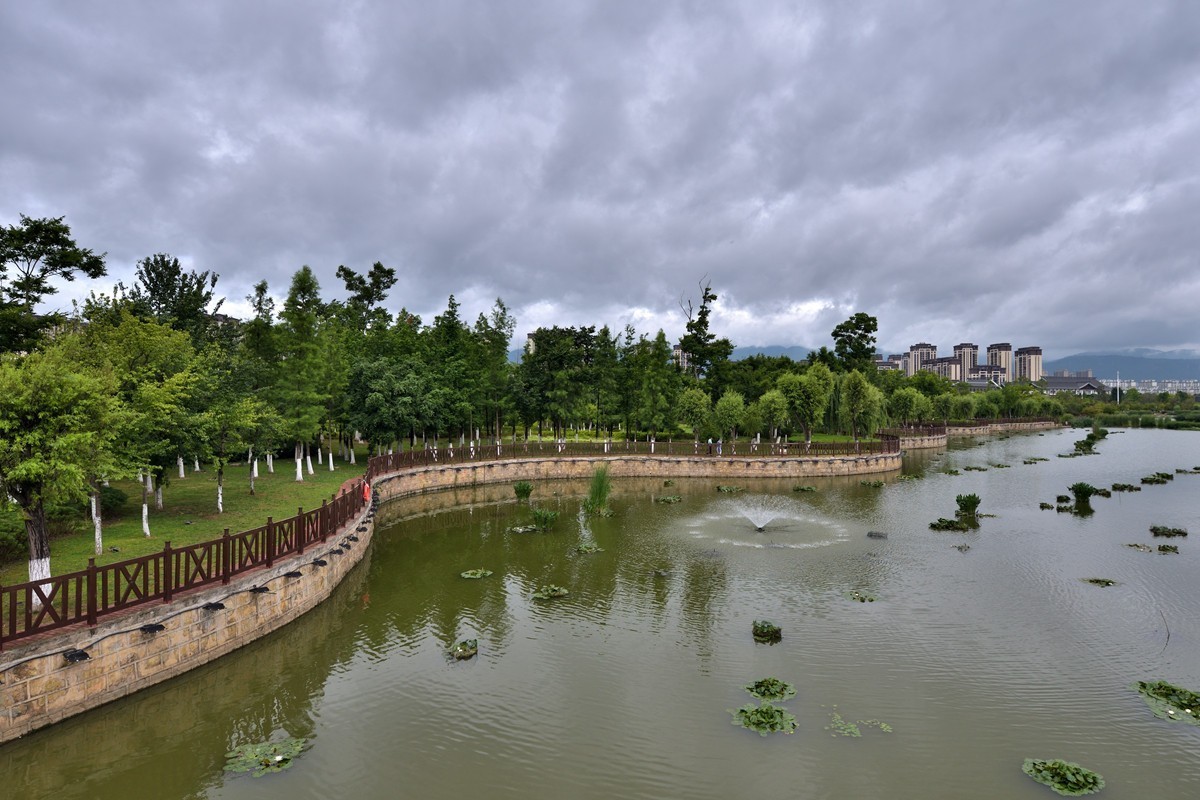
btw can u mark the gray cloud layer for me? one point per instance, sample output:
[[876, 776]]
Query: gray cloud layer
[[983, 171]]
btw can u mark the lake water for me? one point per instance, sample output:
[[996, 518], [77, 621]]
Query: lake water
[[976, 659]]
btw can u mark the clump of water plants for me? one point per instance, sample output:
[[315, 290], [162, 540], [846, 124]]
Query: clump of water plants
[[1035, 459], [1125, 487], [1145, 548], [1001, 466], [804, 488], [1063, 498], [1171, 702], [839, 726], [908, 476], [1103, 493], [543, 518], [861, 597], [1105, 582], [522, 489], [1168, 548], [1158, 479], [771, 689], [975, 469], [1081, 491], [765, 718], [729, 489], [263, 757], [968, 505], [476, 573], [668, 482], [951, 472], [1163, 530], [523, 529], [465, 649], [1046, 506], [944, 524], [1064, 777], [587, 548], [549, 592], [766, 632], [597, 499], [669, 499], [962, 548], [872, 484]]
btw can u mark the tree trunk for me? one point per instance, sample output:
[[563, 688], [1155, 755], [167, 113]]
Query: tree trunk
[[308, 459], [352, 450], [299, 464], [270, 463], [158, 503], [97, 522], [179, 463], [253, 475], [331, 457], [320, 451], [195, 463], [220, 488], [146, 504], [39, 547]]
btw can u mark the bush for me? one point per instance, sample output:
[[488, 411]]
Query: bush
[[523, 489]]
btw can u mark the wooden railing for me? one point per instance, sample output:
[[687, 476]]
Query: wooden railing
[[85, 596], [915, 431]]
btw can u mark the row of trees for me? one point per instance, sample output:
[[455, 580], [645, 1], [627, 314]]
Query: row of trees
[[143, 378]]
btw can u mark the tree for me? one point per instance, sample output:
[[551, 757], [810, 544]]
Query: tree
[[904, 405], [704, 350], [728, 412], [807, 396], [299, 395], [55, 434], [774, 408], [164, 292], [861, 403], [694, 409], [854, 342], [32, 254]]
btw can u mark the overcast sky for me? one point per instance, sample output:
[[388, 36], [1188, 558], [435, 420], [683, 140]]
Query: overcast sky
[[965, 171]]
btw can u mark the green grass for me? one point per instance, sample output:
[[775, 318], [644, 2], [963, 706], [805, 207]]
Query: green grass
[[193, 500]]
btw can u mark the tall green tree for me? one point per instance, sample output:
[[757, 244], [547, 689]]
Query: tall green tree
[[694, 408], [704, 350], [728, 412], [861, 404], [55, 434], [807, 397], [33, 254], [183, 300], [854, 342], [299, 393]]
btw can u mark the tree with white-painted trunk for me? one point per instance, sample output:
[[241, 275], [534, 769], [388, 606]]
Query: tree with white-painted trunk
[[56, 430], [298, 393]]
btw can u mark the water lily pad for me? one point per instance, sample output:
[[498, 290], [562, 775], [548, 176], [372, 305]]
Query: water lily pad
[[771, 689], [476, 573], [263, 757], [764, 718], [1170, 702], [1064, 777], [549, 592], [465, 649], [587, 548], [766, 632]]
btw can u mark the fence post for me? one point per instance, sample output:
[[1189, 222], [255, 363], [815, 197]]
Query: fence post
[[91, 593], [323, 520], [226, 556], [168, 572], [269, 545]]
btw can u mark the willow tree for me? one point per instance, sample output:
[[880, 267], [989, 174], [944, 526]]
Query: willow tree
[[55, 433], [861, 403]]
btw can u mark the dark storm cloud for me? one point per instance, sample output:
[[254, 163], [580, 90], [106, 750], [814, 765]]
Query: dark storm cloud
[[983, 171]]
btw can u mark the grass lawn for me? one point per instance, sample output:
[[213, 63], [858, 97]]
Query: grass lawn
[[190, 515]]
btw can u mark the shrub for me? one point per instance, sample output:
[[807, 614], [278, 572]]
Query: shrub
[[543, 518], [523, 489]]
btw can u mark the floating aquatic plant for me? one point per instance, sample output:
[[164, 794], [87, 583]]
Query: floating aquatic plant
[[1045, 506], [523, 529], [975, 469], [729, 489], [523, 489], [670, 499], [1064, 777], [766, 632], [668, 482], [1163, 530], [476, 573], [871, 484], [861, 596], [549, 592], [968, 504], [908, 477], [1125, 487], [1145, 548], [764, 718], [771, 689], [1168, 701], [1000, 466], [1103, 493], [1063, 498], [944, 524], [1065, 509], [465, 649], [1100, 581], [962, 548], [543, 518], [804, 488], [1168, 548], [263, 757], [587, 548], [951, 472], [1157, 479], [839, 726]]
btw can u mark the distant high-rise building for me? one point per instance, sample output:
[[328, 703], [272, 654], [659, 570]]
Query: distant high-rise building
[[918, 355], [948, 367], [967, 355], [1028, 364], [1000, 355]]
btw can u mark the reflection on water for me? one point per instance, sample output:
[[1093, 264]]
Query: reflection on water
[[977, 659]]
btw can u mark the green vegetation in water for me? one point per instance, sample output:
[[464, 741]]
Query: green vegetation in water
[[1145, 548], [839, 726], [1082, 491], [668, 482], [1125, 487], [766, 631], [944, 524], [1065, 509], [1103, 493], [1168, 548], [804, 488], [549, 592], [670, 499], [1064, 777], [1000, 466], [1158, 479], [587, 548], [729, 489], [951, 472], [1035, 459], [861, 597], [968, 504], [975, 469], [872, 484], [476, 573], [771, 689], [465, 649], [962, 548], [764, 718], [1046, 506], [1063, 498], [523, 529], [523, 489], [1163, 530], [263, 757], [1168, 701], [543, 518], [908, 477], [1100, 581], [597, 499]]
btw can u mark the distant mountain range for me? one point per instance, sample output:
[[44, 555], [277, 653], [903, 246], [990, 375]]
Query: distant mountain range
[[1140, 364]]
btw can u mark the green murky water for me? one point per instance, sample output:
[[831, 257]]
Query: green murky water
[[976, 659]]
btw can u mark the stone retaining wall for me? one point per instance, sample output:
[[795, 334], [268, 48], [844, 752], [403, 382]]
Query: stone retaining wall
[[999, 427], [922, 442]]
